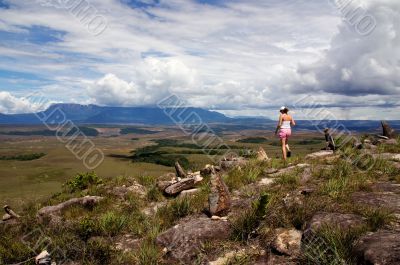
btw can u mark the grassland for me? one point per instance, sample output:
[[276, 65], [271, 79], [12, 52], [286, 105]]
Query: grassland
[[22, 181]]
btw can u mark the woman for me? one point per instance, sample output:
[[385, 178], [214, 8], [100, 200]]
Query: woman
[[285, 131]]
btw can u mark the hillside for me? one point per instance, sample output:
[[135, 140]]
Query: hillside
[[323, 208]]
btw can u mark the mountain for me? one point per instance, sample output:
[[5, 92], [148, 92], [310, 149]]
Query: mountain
[[84, 114]]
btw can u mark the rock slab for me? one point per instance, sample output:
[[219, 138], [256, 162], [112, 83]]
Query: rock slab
[[183, 241], [379, 248]]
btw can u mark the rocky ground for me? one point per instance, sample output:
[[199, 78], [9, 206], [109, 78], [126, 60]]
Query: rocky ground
[[325, 208]]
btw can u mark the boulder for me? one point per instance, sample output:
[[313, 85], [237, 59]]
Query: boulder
[[184, 184], [184, 241], [386, 187], [386, 200], [387, 130], [379, 248], [339, 220], [287, 241], [219, 199], [320, 154]]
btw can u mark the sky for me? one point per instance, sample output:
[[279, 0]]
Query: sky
[[239, 57]]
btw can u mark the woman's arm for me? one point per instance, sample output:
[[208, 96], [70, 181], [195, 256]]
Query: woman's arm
[[293, 122], [279, 124]]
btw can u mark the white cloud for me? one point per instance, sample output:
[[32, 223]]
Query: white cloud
[[244, 56], [10, 104]]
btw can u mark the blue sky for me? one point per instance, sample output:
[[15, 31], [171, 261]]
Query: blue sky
[[238, 57]]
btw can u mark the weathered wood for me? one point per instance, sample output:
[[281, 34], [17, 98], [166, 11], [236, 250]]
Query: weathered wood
[[180, 173], [219, 199], [184, 184], [49, 211], [10, 212]]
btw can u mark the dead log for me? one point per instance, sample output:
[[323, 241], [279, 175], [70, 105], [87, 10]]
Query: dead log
[[54, 211], [184, 184], [180, 173], [10, 212]]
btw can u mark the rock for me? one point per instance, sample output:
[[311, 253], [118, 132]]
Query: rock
[[266, 182], [370, 146], [391, 142], [262, 155], [288, 170], [305, 176], [206, 171], [123, 191], [54, 212], [358, 145], [127, 243], [180, 173], [184, 184], [279, 260], [43, 258], [387, 156], [219, 199], [270, 171], [138, 189], [189, 193], [386, 187], [387, 130], [228, 165], [340, 220], [7, 217], [386, 200], [293, 199], [320, 154], [225, 259], [287, 241], [153, 208], [184, 241], [379, 248]]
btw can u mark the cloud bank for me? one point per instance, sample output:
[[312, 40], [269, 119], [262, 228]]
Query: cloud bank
[[240, 57]]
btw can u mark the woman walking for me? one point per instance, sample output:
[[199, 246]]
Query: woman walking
[[285, 131]]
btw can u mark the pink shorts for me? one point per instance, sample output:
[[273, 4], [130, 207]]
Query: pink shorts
[[285, 133]]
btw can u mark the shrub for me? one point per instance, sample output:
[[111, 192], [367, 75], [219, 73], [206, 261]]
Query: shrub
[[112, 223], [244, 226], [86, 228], [331, 245], [148, 254], [82, 181], [25, 157]]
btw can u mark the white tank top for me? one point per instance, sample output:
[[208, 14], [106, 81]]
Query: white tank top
[[285, 125]]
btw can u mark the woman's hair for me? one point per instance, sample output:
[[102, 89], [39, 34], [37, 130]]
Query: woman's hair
[[285, 110]]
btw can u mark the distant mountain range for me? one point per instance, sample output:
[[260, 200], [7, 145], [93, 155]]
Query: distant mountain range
[[92, 114]]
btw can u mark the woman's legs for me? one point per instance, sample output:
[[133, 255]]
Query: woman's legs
[[289, 152], [283, 141]]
